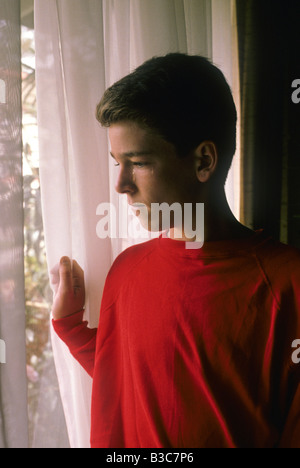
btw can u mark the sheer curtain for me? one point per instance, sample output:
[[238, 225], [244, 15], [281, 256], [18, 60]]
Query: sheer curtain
[[81, 48], [13, 380]]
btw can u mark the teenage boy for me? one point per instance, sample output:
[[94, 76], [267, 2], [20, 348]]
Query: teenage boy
[[194, 346]]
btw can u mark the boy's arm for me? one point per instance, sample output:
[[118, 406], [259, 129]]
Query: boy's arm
[[68, 308], [80, 339]]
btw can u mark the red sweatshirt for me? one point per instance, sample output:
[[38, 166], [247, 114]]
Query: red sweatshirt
[[194, 347]]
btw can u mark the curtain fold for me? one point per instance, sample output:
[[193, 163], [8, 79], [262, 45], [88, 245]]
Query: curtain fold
[[82, 47], [73, 169], [13, 379]]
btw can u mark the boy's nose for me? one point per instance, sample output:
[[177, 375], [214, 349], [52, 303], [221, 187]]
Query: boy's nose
[[125, 182]]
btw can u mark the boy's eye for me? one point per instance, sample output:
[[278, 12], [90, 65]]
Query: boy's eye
[[140, 164], [136, 164]]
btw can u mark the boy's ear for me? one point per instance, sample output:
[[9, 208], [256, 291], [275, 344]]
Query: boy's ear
[[206, 160]]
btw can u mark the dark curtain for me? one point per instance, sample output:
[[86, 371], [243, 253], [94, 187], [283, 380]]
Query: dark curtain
[[269, 51], [13, 380]]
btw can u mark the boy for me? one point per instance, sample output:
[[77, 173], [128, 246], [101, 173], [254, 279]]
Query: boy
[[194, 346]]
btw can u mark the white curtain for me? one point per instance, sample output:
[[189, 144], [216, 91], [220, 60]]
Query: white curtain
[[13, 379], [82, 47]]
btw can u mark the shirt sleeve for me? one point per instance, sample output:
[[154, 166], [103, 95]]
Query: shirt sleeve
[[80, 339]]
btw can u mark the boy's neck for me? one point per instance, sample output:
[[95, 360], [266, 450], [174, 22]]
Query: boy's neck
[[219, 223]]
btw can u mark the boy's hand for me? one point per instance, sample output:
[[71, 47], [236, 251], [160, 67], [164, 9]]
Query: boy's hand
[[68, 281]]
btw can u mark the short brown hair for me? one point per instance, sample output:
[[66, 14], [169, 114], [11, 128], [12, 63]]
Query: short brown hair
[[184, 98]]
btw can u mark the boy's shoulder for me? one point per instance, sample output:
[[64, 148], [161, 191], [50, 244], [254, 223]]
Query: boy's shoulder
[[278, 253], [126, 262], [280, 263], [123, 269]]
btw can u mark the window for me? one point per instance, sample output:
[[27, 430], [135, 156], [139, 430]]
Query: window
[[47, 427]]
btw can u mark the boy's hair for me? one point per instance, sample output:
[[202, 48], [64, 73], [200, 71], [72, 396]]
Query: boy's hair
[[185, 99]]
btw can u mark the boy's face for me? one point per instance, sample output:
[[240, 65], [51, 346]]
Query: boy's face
[[149, 170]]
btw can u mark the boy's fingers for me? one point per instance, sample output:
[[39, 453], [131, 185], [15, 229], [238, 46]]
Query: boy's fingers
[[77, 272], [54, 274], [65, 274], [54, 277], [78, 277]]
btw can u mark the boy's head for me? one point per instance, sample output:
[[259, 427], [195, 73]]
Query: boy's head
[[184, 99]]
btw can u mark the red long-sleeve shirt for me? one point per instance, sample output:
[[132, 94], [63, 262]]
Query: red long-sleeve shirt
[[194, 347]]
